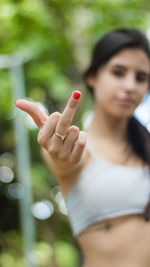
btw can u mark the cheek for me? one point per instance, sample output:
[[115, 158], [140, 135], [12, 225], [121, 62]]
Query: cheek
[[104, 90], [104, 95]]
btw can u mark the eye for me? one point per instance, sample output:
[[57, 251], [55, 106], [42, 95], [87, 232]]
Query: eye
[[118, 73], [141, 78]]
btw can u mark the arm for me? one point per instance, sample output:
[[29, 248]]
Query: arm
[[64, 158]]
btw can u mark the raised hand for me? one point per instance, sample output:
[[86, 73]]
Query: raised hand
[[63, 142]]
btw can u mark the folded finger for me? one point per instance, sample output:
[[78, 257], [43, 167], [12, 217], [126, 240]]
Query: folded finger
[[47, 131], [78, 147]]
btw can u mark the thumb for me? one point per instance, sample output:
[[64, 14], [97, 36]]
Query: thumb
[[33, 110]]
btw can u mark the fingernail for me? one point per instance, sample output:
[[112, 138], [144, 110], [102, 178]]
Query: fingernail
[[76, 95]]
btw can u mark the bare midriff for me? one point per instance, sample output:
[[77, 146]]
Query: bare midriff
[[120, 242]]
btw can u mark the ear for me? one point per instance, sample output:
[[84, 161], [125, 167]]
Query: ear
[[91, 81]]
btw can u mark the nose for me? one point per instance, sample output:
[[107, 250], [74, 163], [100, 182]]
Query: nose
[[130, 83]]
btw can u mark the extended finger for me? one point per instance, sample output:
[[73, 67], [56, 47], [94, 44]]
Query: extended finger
[[68, 113], [33, 110]]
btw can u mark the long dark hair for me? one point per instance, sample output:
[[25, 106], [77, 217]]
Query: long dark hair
[[107, 46]]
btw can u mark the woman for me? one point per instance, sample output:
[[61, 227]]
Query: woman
[[103, 172]]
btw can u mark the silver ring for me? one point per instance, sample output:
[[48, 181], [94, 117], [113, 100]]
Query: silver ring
[[61, 136]]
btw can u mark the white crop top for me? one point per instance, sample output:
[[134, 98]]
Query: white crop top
[[106, 190]]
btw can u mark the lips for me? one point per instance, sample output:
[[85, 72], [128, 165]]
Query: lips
[[126, 101]]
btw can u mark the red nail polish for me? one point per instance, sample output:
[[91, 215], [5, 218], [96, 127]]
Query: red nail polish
[[15, 102], [76, 95]]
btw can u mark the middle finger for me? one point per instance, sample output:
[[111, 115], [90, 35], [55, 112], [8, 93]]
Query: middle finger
[[67, 115]]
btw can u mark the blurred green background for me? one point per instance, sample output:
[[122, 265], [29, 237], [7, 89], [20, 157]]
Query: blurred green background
[[55, 37]]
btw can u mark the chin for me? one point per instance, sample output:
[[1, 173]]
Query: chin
[[122, 114]]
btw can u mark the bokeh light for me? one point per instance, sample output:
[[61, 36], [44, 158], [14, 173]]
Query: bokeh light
[[87, 119], [6, 174], [142, 112], [61, 203], [15, 191], [8, 159], [42, 210], [54, 191]]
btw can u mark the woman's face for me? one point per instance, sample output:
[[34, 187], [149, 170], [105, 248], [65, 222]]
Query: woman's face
[[121, 83]]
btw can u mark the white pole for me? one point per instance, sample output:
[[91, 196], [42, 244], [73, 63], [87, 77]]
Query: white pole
[[14, 63], [23, 167]]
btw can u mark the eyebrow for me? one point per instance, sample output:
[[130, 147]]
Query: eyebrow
[[124, 68]]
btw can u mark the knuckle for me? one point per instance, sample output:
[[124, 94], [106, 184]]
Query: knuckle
[[74, 129], [56, 114], [42, 144], [63, 157], [73, 161], [53, 151], [40, 139], [81, 144]]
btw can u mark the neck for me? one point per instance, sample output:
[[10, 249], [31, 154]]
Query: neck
[[106, 127]]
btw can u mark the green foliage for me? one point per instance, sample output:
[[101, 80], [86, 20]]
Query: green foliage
[[66, 256]]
